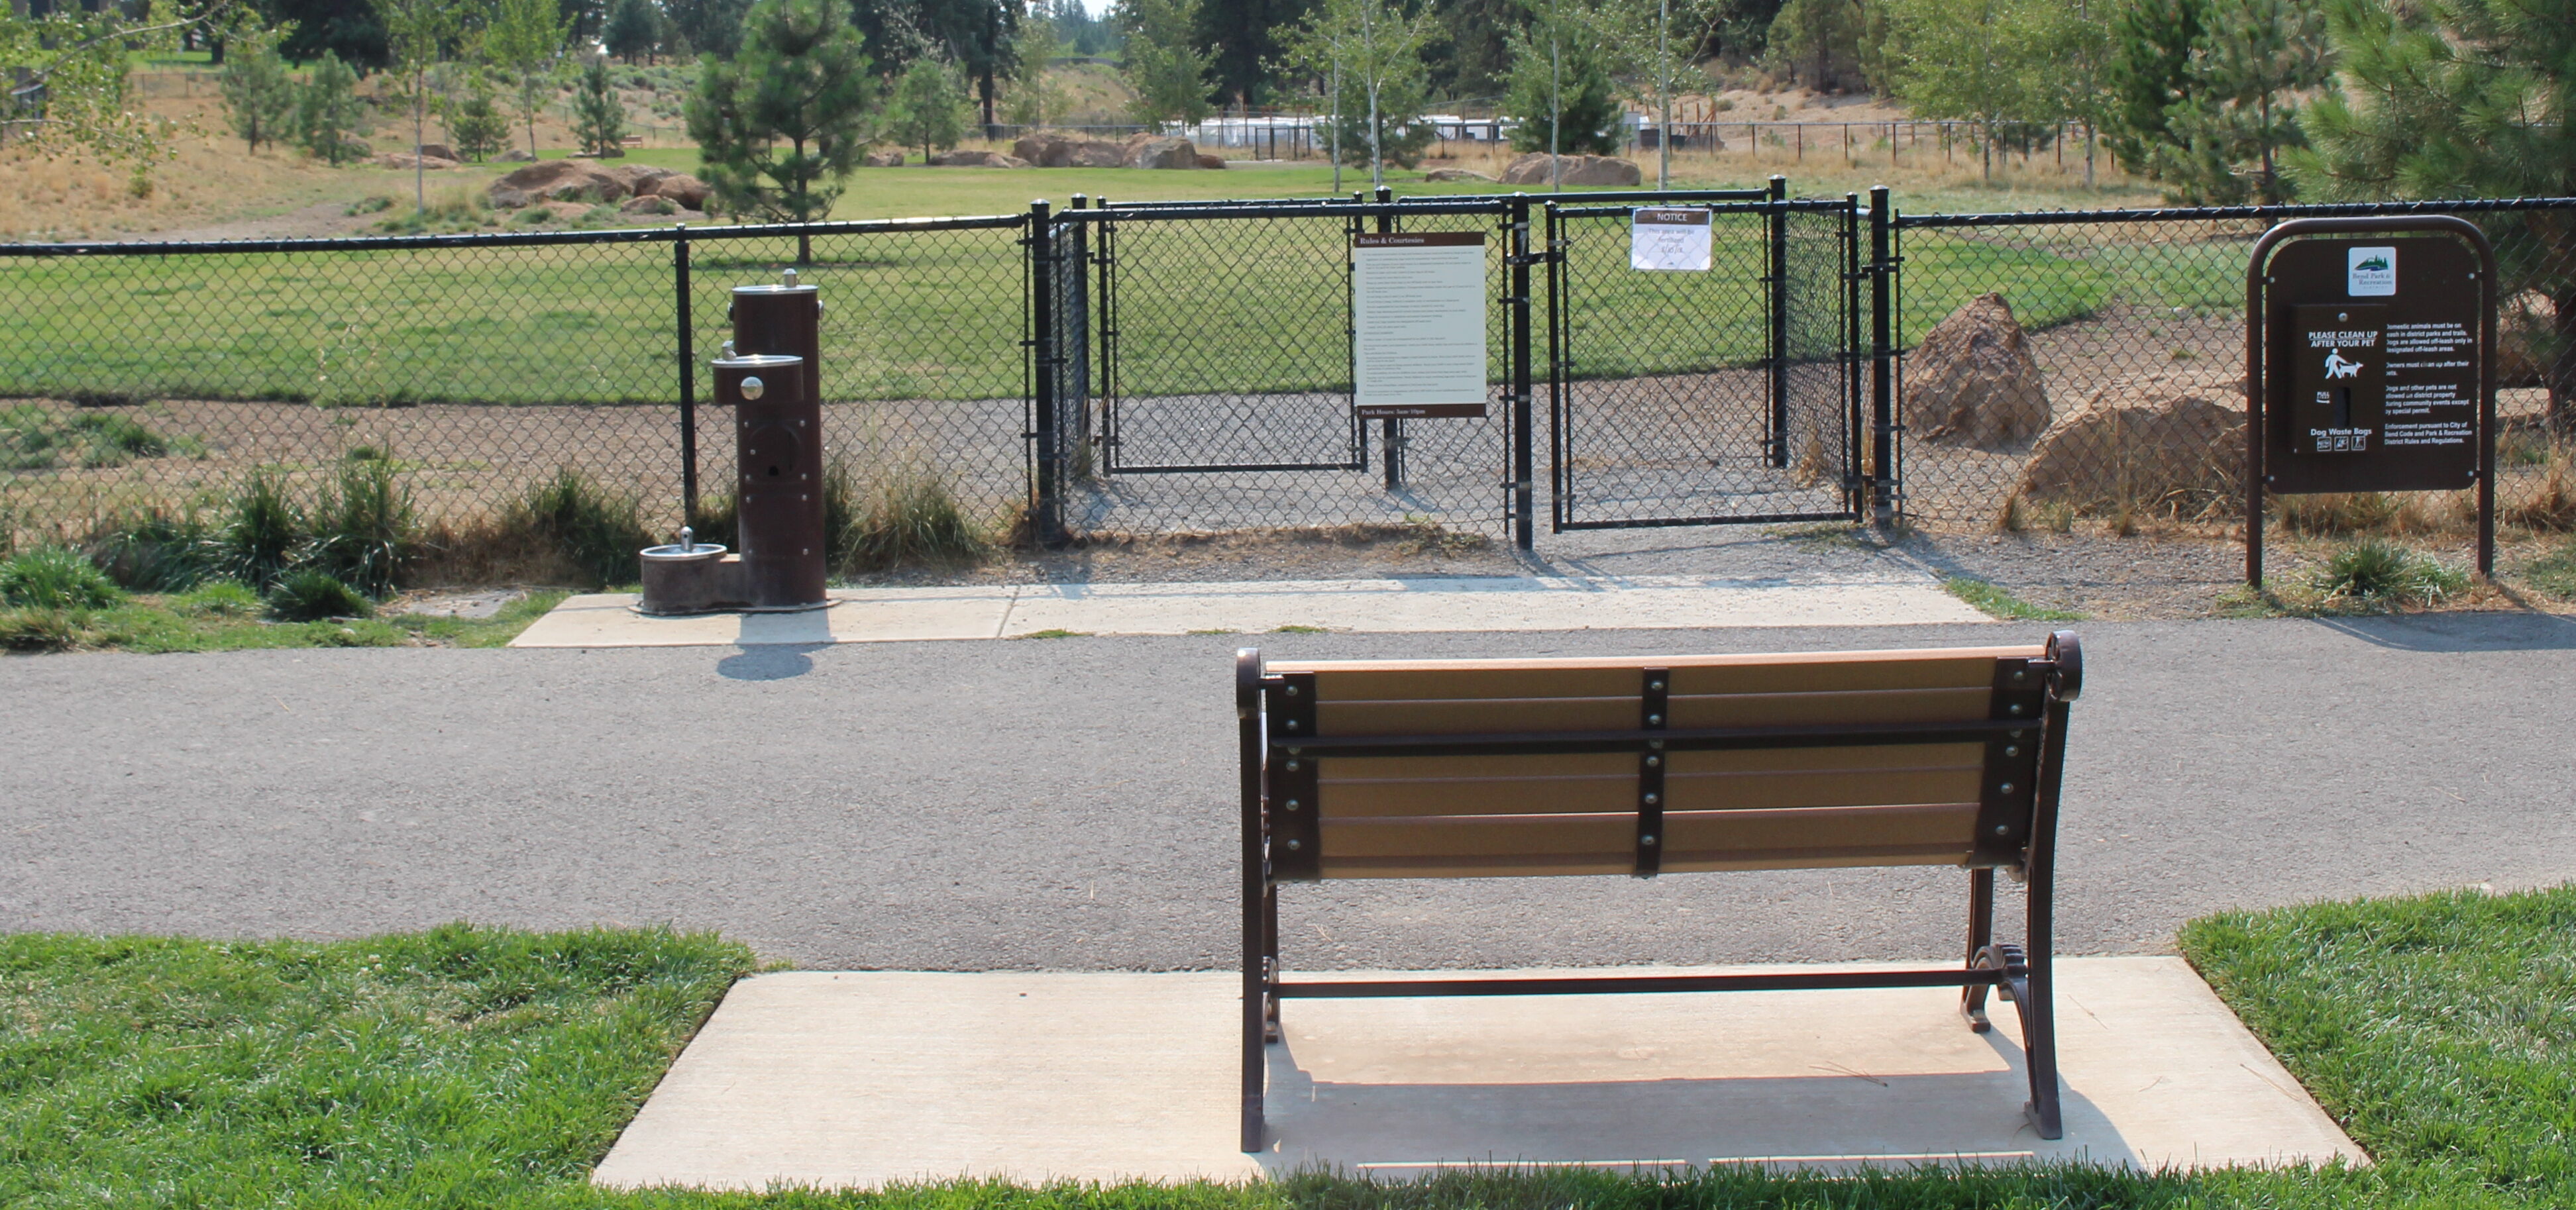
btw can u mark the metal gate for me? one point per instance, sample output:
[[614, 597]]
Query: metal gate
[[1725, 396], [1201, 375]]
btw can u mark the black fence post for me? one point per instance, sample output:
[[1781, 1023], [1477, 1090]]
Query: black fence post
[[1855, 470], [1882, 360], [1390, 430], [1524, 532], [1778, 442], [1075, 322], [688, 379], [1047, 513]]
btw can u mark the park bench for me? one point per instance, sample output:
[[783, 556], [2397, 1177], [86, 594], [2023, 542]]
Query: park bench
[[1649, 766]]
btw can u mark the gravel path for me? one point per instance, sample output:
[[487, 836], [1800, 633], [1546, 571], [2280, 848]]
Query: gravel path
[[1068, 804]]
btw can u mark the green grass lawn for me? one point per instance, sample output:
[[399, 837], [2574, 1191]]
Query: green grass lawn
[[480, 1067], [1255, 305], [220, 620]]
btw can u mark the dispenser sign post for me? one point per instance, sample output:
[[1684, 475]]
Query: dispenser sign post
[[2369, 363], [1418, 324]]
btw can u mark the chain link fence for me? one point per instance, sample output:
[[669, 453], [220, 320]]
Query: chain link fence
[[2122, 399], [1170, 367]]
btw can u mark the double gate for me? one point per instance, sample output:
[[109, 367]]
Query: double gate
[[1192, 369]]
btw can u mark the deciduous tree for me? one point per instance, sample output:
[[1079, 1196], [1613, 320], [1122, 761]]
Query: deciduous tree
[[1165, 68], [415, 32], [526, 39], [1562, 92], [1373, 50]]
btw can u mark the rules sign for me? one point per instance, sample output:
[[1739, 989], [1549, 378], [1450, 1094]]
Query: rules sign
[[2372, 371], [1418, 324]]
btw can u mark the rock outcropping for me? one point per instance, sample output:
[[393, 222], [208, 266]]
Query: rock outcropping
[[1532, 169], [1973, 380], [2154, 443], [556, 181]]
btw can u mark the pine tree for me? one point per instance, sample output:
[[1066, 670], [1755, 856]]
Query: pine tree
[[2462, 98], [928, 109], [598, 116], [2239, 106], [1164, 65], [2150, 67], [1561, 91], [258, 91], [634, 29], [801, 81], [475, 125], [328, 117]]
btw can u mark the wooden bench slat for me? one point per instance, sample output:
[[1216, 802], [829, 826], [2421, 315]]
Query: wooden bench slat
[[1352, 788], [1547, 845], [1558, 665], [1468, 715]]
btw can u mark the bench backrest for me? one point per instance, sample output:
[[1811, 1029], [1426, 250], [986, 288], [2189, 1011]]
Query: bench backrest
[[1472, 768]]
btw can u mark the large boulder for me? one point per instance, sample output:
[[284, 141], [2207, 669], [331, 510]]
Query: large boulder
[[688, 191], [646, 203], [1095, 153], [1044, 149], [639, 179], [1149, 151], [1458, 174], [1532, 169], [1973, 380], [976, 159], [440, 151], [1211, 161], [882, 159], [516, 155], [556, 181], [2166, 443]]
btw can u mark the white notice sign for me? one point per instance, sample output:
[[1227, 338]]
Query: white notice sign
[[1418, 314], [1668, 239]]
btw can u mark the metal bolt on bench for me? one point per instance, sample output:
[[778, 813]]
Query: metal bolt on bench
[[1351, 769]]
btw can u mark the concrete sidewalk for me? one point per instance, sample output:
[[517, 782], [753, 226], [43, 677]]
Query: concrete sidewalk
[[1426, 604], [860, 1079]]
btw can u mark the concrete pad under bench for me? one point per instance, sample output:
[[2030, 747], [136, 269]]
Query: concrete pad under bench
[[1439, 603], [859, 1079]]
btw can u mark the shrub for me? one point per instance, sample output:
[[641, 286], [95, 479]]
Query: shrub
[[311, 596], [55, 578], [597, 531], [912, 518], [152, 550], [2379, 572]]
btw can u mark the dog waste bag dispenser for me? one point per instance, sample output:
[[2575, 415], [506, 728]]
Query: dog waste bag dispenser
[[778, 485]]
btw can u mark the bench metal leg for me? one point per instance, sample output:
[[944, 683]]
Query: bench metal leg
[[2037, 1000], [1981, 933], [1260, 899], [1270, 961]]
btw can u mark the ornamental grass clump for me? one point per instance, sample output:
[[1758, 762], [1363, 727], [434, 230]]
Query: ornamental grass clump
[[55, 578], [313, 596], [2373, 572]]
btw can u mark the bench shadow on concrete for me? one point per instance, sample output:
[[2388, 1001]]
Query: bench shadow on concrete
[[2495, 630], [1834, 1121]]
